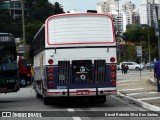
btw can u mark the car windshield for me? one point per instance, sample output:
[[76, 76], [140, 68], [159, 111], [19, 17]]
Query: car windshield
[[8, 58]]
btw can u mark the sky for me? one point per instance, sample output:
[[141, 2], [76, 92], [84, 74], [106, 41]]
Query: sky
[[84, 5]]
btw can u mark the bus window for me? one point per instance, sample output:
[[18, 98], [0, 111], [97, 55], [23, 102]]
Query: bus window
[[8, 59]]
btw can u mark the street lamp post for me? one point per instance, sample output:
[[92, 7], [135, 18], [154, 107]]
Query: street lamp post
[[149, 52], [23, 25]]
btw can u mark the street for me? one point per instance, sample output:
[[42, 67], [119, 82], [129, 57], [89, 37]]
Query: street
[[25, 100]]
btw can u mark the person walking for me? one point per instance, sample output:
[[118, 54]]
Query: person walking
[[157, 73], [123, 68]]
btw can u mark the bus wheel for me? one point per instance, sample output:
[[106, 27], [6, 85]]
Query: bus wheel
[[23, 82], [38, 95], [102, 99], [46, 101]]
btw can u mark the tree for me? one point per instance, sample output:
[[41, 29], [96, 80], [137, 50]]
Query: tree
[[133, 32], [31, 30], [58, 8], [43, 9]]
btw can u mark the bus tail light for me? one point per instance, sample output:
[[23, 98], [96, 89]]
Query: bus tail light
[[50, 77], [51, 84], [112, 67], [113, 82], [112, 59], [50, 69], [113, 75], [50, 61]]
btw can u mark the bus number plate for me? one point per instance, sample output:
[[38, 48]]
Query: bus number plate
[[82, 92]]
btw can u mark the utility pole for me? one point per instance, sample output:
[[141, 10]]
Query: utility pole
[[23, 25], [118, 29], [157, 27], [149, 52]]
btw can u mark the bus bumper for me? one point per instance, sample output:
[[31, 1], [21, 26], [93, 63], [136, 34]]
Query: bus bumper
[[81, 92]]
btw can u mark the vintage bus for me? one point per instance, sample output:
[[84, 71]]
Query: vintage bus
[[9, 80], [75, 56]]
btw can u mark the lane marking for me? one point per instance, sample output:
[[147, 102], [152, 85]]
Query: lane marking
[[127, 81], [130, 84], [131, 89], [76, 118], [149, 98], [132, 94], [72, 110]]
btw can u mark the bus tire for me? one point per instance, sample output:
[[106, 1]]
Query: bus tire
[[102, 99], [23, 82], [46, 101], [38, 95]]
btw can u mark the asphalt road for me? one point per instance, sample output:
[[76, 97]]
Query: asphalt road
[[25, 101]]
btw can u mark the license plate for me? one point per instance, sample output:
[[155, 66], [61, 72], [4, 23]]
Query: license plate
[[83, 92]]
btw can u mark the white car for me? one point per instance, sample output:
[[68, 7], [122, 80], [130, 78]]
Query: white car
[[132, 65]]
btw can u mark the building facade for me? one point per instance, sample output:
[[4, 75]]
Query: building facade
[[122, 15], [14, 7], [128, 14], [146, 11], [111, 7]]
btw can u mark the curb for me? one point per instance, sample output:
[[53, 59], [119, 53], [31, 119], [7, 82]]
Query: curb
[[140, 103]]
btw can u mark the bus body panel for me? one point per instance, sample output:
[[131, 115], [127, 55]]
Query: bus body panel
[[9, 79], [75, 55]]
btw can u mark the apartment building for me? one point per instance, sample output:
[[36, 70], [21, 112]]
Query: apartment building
[[122, 15], [146, 11], [111, 7], [129, 13], [14, 7]]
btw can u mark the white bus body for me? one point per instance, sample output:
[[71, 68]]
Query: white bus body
[[75, 55]]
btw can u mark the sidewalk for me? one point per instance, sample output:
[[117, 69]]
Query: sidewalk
[[142, 91]]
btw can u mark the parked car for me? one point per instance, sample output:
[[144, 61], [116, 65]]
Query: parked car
[[148, 65], [132, 65]]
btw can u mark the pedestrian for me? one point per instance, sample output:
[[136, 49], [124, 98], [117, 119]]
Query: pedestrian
[[123, 68], [157, 73], [126, 69]]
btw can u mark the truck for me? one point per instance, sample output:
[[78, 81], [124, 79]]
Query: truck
[[25, 74], [75, 56]]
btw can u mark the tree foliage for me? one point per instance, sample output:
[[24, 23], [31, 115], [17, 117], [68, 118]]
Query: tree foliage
[[43, 9], [137, 35], [31, 29]]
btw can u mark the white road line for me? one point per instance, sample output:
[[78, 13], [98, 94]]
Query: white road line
[[72, 110], [127, 81], [129, 84], [131, 89], [132, 94], [149, 98], [76, 118]]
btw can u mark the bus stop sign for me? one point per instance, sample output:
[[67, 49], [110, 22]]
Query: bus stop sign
[[139, 51]]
